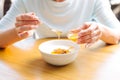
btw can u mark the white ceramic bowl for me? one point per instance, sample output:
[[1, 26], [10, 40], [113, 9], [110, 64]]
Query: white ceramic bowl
[[59, 59]]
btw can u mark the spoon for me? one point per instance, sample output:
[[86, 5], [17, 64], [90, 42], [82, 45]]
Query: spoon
[[58, 32]]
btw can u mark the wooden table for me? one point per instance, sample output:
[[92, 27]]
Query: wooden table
[[23, 61]]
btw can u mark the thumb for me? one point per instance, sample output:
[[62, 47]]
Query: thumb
[[85, 25], [82, 27]]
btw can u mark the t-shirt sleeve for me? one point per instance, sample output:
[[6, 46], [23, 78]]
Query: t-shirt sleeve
[[104, 14], [9, 19]]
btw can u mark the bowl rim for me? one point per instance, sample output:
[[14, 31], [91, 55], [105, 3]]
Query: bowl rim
[[42, 52]]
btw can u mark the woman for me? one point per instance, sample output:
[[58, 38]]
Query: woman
[[62, 15]]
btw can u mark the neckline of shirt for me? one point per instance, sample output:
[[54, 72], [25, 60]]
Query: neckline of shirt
[[60, 4]]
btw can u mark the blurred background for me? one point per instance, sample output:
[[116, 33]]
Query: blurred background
[[115, 5]]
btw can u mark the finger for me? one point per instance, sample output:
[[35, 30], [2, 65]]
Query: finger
[[23, 35], [93, 27], [92, 40], [84, 26], [84, 39], [88, 30], [22, 23], [88, 39], [25, 28], [89, 25], [97, 33], [75, 30], [26, 17]]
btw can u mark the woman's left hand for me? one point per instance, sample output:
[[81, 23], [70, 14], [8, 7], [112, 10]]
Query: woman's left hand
[[88, 33]]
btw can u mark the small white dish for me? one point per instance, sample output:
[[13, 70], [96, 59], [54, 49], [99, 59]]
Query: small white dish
[[59, 59]]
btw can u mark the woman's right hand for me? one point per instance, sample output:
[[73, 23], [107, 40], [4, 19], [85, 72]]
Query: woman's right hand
[[25, 23]]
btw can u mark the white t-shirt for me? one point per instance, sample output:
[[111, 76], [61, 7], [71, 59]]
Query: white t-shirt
[[62, 16]]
